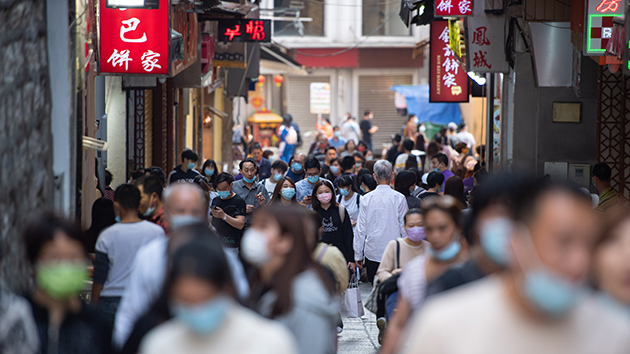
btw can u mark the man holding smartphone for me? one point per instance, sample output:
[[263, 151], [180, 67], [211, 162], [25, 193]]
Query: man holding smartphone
[[228, 213]]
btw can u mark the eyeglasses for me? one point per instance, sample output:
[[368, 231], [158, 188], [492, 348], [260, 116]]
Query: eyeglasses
[[441, 202]]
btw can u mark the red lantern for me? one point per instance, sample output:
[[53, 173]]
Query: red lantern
[[278, 79], [261, 79]]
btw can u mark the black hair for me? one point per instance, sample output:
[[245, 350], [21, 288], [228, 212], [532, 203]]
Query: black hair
[[441, 158], [103, 216], [346, 181], [136, 174], [369, 181], [108, 178], [462, 126], [404, 181], [157, 173], [255, 146], [43, 229], [501, 189], [210, 163], [420, 143], [249, 159], [359, 155], [481, 176], [418, 175], [528, 196], [434, 179], [224, 177], [315, 202], [412, 162], [312, 162], [408, 144], [150, 185], [602, 171], [366, 112], [190, 155], [455, 187], [280, 165], [397, 138], [329, 147], [127, 196], [267, 153], [347, 163], [411, 212]]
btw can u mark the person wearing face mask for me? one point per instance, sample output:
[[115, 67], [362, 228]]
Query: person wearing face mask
[[229, 212], [206, 317], [349, 149], [288, 285], [366, 182], [249, 189], [334, 170], [116, 250], [304, 188], [64, 324], [331, 154], [538, 304], [439, 163], [186, 171], [151, 207], [184, 206], [296, 170], [210, 171], [320, 150], [447, 247], [367, 129], [284, 193], [278, 170], [337, 141], [350, 199]]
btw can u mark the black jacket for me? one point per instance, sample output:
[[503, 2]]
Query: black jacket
[[178, 175]]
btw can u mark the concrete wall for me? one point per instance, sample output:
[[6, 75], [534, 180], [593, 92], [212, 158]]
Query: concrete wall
[[116, 129]]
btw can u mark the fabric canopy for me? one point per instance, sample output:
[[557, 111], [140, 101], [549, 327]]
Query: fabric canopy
[[417, 97]]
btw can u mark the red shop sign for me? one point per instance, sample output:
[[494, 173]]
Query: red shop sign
[[448, 80], [453, 8], [134, 41]]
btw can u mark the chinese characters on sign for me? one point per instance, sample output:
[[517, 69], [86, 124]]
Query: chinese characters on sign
[[453, 8], [134, 41], [244, 31], [599, 24], [448, 81], [485, 42]]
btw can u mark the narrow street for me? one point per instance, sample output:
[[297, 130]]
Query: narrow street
[[360, 336]]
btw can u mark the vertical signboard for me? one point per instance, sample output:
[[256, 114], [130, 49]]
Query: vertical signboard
[[134, 41], [599, 24], [486, 52], [320, 98], [448, 80], [626, 42], [453, 8]]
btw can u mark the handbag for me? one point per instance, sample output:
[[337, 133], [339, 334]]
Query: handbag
[[352, 303], [381, 289]]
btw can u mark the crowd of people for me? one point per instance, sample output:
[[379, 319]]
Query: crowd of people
[[460, 261]]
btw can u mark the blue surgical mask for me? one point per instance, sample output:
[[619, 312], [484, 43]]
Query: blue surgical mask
[[343, 192], [447, 253], [223, 194], [117, 218], [312, 179], [358, 165], [369, 158], [249, 180], [495, 240], [149, 211], [204, 318], [436, 170], [288, 193], [337, 133], [296, 167], [278, 176], [191, 165], [208, 172], [334, 169]]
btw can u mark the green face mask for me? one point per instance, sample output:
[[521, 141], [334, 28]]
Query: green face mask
[[61, 281]]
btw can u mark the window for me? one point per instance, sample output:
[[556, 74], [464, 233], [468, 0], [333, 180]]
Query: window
[[299, 8], [380, 18]]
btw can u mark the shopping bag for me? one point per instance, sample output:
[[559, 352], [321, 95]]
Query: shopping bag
[[371, 303], [352, 303]]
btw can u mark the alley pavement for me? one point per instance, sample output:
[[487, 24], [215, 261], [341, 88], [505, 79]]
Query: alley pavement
[[360, 335]]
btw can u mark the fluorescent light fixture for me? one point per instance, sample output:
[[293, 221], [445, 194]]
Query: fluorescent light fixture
[[480, 80], [125, 3]]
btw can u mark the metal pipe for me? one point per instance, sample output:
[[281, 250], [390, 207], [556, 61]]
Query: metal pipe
[[490, 121]]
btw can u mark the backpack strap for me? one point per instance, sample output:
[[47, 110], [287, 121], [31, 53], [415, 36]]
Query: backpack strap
[[342, 213], [322, 253], [358, 196]]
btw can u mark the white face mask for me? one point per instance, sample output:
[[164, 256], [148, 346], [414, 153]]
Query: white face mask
[[254, 247], [179, 221]]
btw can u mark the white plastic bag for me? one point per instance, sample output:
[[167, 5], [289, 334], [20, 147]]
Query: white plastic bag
[[352, 303]]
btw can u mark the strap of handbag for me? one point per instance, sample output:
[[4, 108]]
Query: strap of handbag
[[397, 254], [321, 253]]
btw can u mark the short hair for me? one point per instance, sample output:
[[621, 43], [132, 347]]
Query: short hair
[[408, 144], [108, 178], [249, 159], [397, 138], [367, 112], [460, 147], [127, 196], [347, 163], [280, 165], [447, 204], [136, 174], [312, 162], [404, 181], [412, 212], [383, 170], [255, 146], [441, 158], [435, 179], [528, 196], [462, 126], [602, 171], [150, 185], [190, 155], [224, 177], [43, 229], [329, 147], [157, 173], [267, 153], [359, 155]]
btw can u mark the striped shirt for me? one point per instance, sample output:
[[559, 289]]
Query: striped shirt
[[607, 199]]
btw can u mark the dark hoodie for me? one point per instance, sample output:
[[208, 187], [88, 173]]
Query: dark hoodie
[[178, 175]]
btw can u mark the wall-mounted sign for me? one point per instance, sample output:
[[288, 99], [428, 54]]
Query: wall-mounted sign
[[486, 33], [453, 8], [599, 24], [320, 98], [448, 81], [247, 30], [134, 41]]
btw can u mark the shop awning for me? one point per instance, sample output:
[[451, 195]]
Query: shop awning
[[265, 117], [274, 61], [417, 97]]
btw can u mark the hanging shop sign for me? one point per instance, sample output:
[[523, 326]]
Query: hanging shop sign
[[246, 30], [134, 41], [599, 24], [486, 33], [320, 98], [453, 8], [626, 44], [448, 80]]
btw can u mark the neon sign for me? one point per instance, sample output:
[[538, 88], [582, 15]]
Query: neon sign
[[599, 25], [248, 30]]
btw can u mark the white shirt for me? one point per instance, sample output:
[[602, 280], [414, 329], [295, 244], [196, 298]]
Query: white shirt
[[466, 138], [351, 130], [145, 285], [270, 186], [381, 219], [352, 208], [401, 161], [121, 242], [479, 318]]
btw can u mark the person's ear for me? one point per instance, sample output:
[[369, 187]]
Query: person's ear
[[284, 245]]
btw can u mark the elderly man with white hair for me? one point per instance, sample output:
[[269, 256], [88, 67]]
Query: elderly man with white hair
[[184, 204], [381, 219]]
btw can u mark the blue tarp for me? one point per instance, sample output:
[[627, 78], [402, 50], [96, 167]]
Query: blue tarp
[[417, 97]]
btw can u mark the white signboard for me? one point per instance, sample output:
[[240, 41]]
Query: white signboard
[[484, 47], [320, 98]]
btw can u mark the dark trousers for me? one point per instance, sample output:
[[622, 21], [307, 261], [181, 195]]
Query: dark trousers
[[107, 306], [371, 267]]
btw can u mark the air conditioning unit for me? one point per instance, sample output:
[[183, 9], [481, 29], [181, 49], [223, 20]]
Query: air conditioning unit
[[95, 144]]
